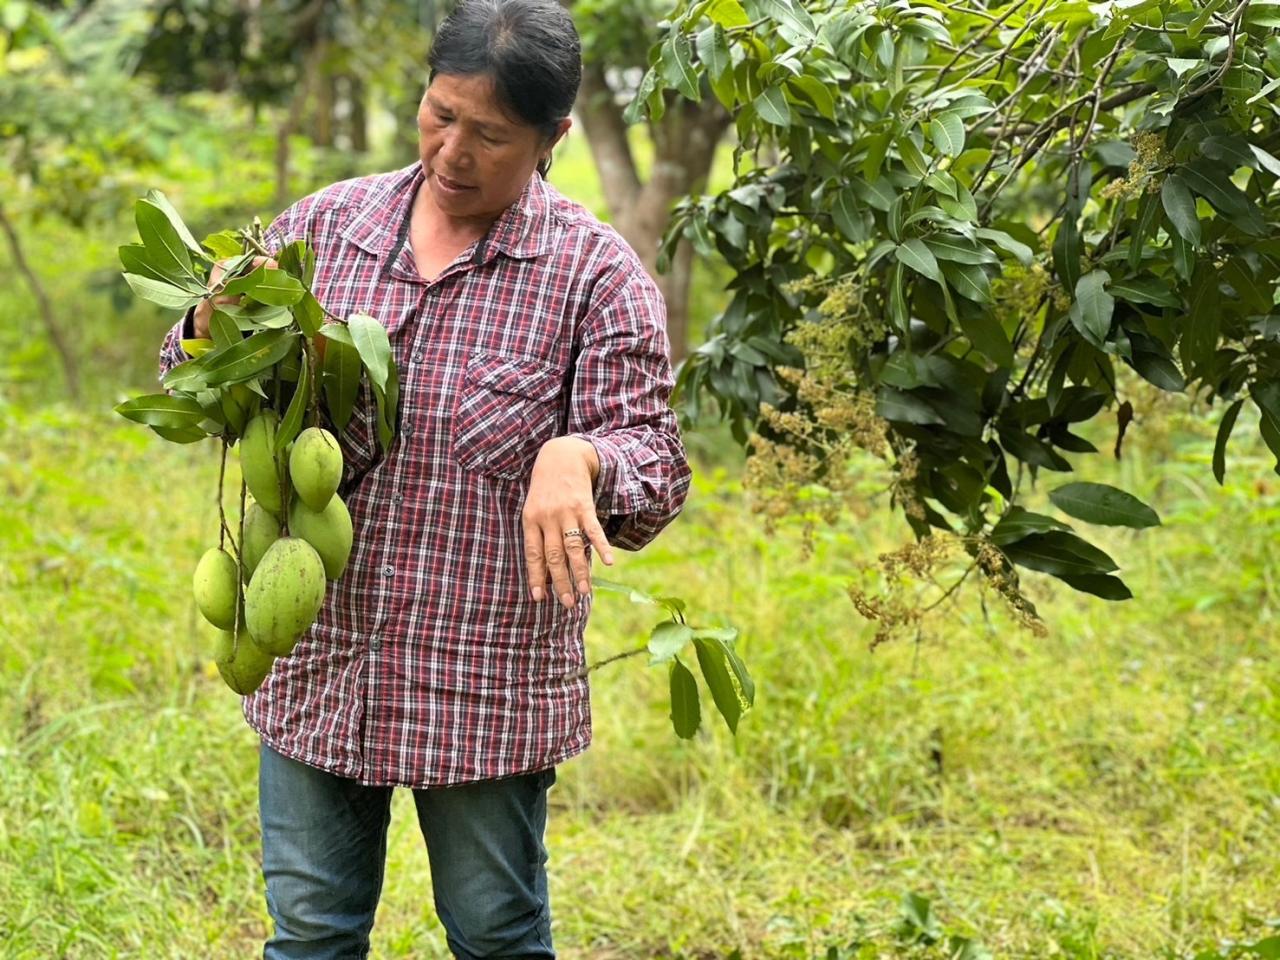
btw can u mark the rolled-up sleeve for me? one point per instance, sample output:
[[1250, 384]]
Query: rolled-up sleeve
[[620, 404]]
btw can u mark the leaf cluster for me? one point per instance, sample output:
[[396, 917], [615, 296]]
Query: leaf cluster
[[272, 349], [1015, 200]]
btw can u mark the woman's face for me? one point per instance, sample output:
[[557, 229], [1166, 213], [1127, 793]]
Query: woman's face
[[477, 159]]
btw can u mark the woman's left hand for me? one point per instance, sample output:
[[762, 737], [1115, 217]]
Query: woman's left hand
[[560, 499]]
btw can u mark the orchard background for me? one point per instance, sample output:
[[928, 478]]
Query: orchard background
[[924, 208]]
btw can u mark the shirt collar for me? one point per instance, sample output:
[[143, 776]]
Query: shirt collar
[[522, 231]]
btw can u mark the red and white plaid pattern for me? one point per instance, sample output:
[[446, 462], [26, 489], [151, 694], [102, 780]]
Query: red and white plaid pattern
[[430, 664]]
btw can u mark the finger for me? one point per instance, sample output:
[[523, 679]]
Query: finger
[[599, 540], [535, 561], [553, 549], [579, 565]]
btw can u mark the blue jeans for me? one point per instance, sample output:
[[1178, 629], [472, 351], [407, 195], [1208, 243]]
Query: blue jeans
[[324, 845]]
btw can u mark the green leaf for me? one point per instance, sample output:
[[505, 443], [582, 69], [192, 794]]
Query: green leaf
[[181, 434], [902, 407], [160, 293], [223, 244], [947, 132], [1220, 444], [960, 250], [968, 280], [1213, 182], [1144, 290], [162, 204], [1103, 504], [817, 91], [1180, 206], [134, 259], [877, 148], [277, 289], [1143, 227], [196, 347], [337, 333], [370, 338], [1093, 308], [676, 66], [1268, 162], [1058, 553], [1066, 253], [189, 375], [713, 660], [773, 108], [162, 410], [791, 16], [223, 329], [847, 217], [341, 380], [1100, 585], [291, 423], [984, 331], [165, 249], [914, 254], [248, 358], [685, 712], [728, 13], [246, 283], [1020, 251], [713, 51], [387, 400], [964, 207], [1018, 523], [1266, 396], [667, 639], [308, 314], [911, 156], [649, 86]]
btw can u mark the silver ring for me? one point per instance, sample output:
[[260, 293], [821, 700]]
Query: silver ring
[[575, 532]]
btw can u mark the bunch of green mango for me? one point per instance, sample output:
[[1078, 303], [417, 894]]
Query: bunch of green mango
[[297, 534], [272, 357]]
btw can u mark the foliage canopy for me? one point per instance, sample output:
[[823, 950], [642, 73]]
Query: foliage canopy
[[961, 221]]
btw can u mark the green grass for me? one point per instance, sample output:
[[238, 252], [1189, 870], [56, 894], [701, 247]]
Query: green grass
[[1110, 791]]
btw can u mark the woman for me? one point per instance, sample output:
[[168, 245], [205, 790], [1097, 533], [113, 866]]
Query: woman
[[533, 426]]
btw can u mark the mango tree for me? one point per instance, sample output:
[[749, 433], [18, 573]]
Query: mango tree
[[954, 226]]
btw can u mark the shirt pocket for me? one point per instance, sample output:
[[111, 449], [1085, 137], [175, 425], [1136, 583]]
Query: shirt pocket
[[510, 407]]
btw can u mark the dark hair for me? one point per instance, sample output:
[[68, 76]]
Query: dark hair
[[529, 47]]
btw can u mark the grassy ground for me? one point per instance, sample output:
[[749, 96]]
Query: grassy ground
[[1112, 790]]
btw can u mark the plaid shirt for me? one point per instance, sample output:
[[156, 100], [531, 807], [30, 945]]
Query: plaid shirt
[[430, 664]]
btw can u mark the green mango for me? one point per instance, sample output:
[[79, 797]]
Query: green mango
[[243, 665], [315, 466], [259, 464], [261, 530], [328, 530], [285, 593], [215, 587]]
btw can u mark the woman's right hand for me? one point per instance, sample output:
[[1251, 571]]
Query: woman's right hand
[[205, 308]]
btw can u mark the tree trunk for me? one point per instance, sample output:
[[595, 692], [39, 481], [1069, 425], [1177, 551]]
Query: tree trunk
[[293, 120], [684, 143], [358, 120], [70, 369], [322, 123]]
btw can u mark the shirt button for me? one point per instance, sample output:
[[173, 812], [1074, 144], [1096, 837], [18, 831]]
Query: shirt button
[[396, 499], [418, 357], [375, 643], [388, 570]]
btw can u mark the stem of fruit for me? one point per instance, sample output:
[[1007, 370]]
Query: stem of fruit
[[235, 631], [313, 359], [224, 531]]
